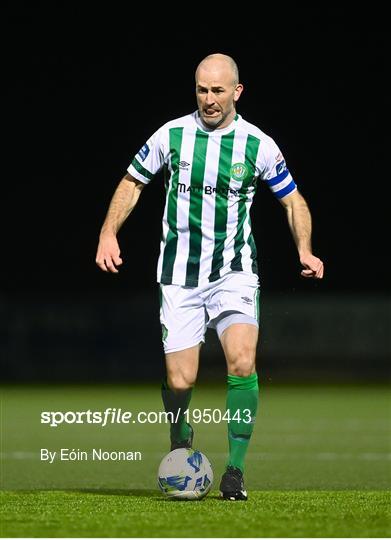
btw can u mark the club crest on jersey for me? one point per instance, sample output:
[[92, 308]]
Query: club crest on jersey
[[239, 171], [143, 152]]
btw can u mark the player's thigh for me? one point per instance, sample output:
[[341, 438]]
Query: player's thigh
[[182, 317], [182, 367], [239, 342]]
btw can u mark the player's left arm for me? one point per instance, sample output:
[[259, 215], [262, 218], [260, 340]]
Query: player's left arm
[[300, 223]]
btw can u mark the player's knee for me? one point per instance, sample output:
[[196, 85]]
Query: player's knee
[[242, 370], [180, 381], [242, 362]]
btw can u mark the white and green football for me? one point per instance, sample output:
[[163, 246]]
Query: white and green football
[[185, 474]]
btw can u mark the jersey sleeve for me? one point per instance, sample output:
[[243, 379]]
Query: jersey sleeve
[[274, 170], [149, 159]]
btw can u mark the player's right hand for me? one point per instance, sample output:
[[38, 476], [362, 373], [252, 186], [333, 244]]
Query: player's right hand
[[108, 253], [313, 266]]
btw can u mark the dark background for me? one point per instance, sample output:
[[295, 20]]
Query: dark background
[[85, 86]]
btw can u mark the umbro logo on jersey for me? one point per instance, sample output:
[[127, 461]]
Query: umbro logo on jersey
[[246, 300], [184, 165]]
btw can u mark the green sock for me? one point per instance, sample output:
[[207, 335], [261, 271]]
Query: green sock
[[174, 402], [243, 393]]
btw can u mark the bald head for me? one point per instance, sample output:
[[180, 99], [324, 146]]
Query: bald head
[[217, 89], [220, 62]]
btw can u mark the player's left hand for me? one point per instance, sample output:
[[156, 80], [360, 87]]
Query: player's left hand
[[313, 267]]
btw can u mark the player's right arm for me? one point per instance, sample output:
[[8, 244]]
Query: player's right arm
[[122, 203], [145, 165]]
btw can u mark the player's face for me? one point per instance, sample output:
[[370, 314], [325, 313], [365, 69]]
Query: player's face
[[216, 95]]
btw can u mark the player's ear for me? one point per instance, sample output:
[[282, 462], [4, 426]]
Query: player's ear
[[237, 92]]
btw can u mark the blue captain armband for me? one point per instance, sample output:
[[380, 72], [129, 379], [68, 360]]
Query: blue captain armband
[[282, 184]]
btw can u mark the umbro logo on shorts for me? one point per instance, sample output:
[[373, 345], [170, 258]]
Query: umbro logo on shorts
[[246, 300]]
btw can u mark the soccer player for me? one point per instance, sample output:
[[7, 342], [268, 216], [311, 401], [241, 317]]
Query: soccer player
[[212, 161]]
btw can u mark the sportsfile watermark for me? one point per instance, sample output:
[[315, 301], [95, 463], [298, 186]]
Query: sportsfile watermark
[[118, 416]]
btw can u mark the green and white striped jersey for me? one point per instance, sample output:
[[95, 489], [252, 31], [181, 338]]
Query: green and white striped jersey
[[210, 179]]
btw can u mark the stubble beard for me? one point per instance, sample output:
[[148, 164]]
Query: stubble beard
[[214, 123]]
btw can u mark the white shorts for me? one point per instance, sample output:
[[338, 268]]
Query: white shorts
[[186, 312]]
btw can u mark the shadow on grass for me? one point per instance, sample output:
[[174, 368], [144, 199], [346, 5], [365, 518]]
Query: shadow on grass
[[148, 493]]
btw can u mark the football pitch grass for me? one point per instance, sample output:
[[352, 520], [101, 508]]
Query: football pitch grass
[[318, 465]]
